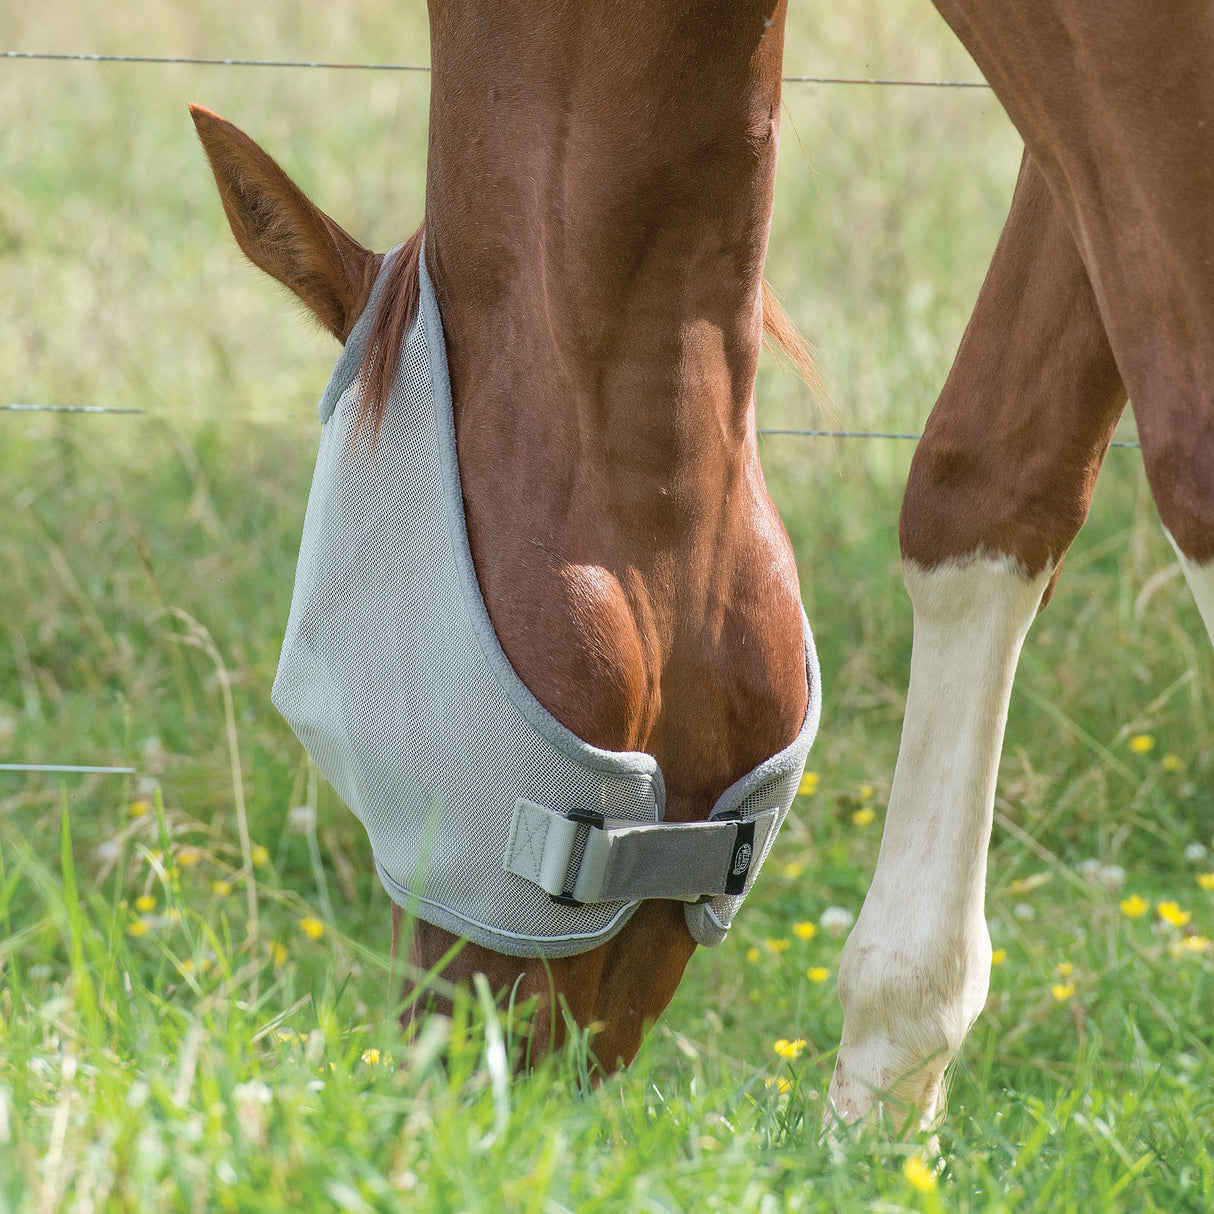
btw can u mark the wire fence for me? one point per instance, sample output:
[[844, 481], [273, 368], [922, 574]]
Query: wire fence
[[202, 61]]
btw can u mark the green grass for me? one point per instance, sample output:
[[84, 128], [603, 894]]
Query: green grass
[[161, 1054]]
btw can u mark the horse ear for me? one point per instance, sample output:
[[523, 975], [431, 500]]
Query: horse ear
[[283, 233]]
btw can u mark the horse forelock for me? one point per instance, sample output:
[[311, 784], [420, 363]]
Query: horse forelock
[[389, 329]]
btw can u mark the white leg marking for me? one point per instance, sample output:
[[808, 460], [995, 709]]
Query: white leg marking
[[915, 969], [1201, 583]]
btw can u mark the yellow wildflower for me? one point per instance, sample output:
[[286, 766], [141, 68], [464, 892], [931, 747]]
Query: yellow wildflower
[[1142, 743], [138, 808], [808, 785], [865, 791], [781, 1083], [187, 857], [145, 903], [259, 855], [817, 973], [790, 1049], [1206, 880], [807, 931], [794, 870], [278, 953], [221, 888], [862, 817], [1171, 912], [1062, 991], [371, 1056], [1171, 762], [753, 954], [137, 927], [1135, 906], [777, 946], [919, 1174], [188, 966], [999, 956], [1064, 969], [312, 928]]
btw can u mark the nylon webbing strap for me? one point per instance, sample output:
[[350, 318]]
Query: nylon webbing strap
[[624, 861]]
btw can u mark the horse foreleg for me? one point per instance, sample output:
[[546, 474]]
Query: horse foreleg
[[998, 488]]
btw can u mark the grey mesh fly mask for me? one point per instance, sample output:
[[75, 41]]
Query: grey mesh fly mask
[[486, 816]]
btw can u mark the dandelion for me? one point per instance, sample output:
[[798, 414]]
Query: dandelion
[[794, 870], [836, 920], [790, 1049], [753, 954], [817, 973], [999, 956], [1064, 969], [221, 888], [1206, 880], [1171, 762], [777, 946], [137, 927], [807, 931], [1171, 913], [1142, 743], [259, 855], [1135, 906], [145, 903], [919, 1174], [314, 929], [862, 817], [1062, 991], [808, 785]]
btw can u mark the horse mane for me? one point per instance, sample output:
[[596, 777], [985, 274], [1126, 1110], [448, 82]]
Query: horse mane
[[402, 295], [389, 328], [779, 333]]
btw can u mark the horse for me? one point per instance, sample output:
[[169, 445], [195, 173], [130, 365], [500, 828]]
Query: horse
[[1100, 288], [599, 187]]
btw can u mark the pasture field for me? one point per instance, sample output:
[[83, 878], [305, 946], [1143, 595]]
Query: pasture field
[[196, 1006]]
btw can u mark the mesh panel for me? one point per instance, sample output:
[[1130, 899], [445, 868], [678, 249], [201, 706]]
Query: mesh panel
[[393, 680]]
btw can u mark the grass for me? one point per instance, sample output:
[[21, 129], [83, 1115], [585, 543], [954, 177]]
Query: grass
[[159, 1051]]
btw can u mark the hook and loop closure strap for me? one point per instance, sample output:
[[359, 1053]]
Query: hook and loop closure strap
[[627, 861]]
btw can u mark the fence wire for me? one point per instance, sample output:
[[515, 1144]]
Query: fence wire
[[200, 61]]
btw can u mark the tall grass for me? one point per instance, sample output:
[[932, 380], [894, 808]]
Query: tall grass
[[196, 1006]]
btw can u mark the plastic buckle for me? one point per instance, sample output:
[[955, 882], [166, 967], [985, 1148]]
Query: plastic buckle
[[583, 817]]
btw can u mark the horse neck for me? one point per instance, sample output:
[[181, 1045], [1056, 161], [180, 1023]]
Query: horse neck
[[599, 192]]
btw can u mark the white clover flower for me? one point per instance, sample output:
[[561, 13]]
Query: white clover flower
[[836, 920], [1195, 853], [1112, 877], [301, 818]]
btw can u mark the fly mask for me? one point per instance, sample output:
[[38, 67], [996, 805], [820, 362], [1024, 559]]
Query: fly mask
[[486, 816]]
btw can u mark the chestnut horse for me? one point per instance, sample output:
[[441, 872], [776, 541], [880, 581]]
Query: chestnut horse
[[1102, 285], [598, 195]]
